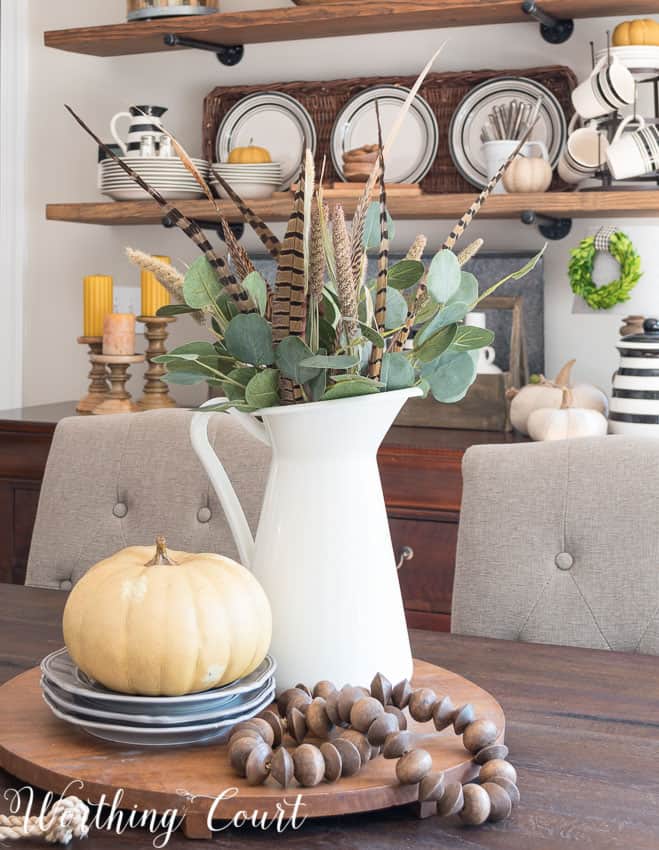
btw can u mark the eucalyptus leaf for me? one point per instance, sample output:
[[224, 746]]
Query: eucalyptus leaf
[[450, 314], [258, 290], [326, 334], [371, 235], [405, 274], [249, 338], [290, 352], [516, 275], [467, 291], [168, 310], [396, 309], [201, 286], [330, 361], [349, 389], [183, 378], [263, 389], [317, 385], [348, 377], [189, 351], [469, 337], [330, 311], [371, 335], [397, 372], [435, 345], [229, 405], [428, 310], [242, 376], [450, 376], [444, 276]]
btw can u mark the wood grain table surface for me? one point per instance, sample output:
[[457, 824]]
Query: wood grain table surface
[[582, 727]]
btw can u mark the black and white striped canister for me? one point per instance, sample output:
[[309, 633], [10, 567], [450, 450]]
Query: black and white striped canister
[[635, 397]]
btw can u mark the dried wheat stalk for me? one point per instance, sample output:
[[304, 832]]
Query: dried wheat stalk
[[345, 282], [168, 276]]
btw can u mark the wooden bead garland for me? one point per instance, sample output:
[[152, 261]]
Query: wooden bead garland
[[356, 724]]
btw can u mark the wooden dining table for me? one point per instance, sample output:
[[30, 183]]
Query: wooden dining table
[[582, 727]]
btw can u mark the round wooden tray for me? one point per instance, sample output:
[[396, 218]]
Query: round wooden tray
[[41, 750]]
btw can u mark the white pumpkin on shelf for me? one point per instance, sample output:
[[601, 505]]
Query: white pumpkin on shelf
[[168, 623], [566, 423], [549, 394], [528, 174]]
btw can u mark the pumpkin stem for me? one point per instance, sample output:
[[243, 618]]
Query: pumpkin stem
[[563, 377], [566, 401], [161, 558]]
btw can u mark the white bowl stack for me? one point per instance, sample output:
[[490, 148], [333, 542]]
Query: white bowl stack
[[152, 721], [166, 174], [258, 180]]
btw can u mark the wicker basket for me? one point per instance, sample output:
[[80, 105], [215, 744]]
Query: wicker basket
[[443, 92]]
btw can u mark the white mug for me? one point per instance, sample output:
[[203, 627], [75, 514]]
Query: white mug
[[497, 152], [586, 150], [634, 154], [609, 86]]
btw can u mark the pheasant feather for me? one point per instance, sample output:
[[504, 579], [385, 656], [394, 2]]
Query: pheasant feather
[[289, 304], [257, 224], [375, 363], [240, 296]]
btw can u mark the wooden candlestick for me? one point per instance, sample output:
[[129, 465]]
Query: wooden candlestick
[[156, 391], [119, 400], [99, 389]]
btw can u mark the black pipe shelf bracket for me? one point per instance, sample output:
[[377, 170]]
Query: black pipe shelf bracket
[[227, 54], [554, 30], [551, 228], [236, 227]]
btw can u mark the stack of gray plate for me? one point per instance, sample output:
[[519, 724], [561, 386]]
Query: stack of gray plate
[[152, 721]]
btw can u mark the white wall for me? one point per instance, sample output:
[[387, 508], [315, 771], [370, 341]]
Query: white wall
[[62, 167]]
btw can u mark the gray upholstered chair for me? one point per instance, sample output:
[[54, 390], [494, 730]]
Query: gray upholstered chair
[[116, 481], [559, 543]]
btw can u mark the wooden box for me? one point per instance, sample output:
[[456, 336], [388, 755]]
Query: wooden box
[[484, 408]]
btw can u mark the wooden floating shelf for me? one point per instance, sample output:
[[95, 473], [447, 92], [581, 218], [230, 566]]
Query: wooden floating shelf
[[357, 17], [622, 204]]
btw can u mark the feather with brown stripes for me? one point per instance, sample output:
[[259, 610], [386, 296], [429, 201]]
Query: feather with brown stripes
[[461, 225], [289, 303], [241, 261], [375, 362], [239, 295], [257, 224]]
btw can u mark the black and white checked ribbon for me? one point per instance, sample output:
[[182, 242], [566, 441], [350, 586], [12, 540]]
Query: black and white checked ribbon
[[603, 238]]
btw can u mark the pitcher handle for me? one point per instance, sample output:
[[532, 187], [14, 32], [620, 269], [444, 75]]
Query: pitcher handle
[[115, 134], [222, 485]]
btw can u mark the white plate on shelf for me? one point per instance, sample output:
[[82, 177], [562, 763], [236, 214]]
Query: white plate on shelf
[[143, 195], [416, 147], [472, 114], [272, 120], [154, 736], [59, 668]]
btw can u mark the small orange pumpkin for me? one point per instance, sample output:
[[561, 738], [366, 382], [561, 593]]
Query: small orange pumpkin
[[640, 31], [250, 154]]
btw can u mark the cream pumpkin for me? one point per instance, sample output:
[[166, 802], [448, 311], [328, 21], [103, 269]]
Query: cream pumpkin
[[549, 394], [567, 422], [167, 624], [528, 174]]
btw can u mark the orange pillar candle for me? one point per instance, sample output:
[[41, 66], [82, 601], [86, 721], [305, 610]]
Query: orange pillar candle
[[119, 334], [97, 303], [154, 294]]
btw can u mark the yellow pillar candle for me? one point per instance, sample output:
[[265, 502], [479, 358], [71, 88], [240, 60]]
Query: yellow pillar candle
[[119, 334], [154, 294], [97, 302]]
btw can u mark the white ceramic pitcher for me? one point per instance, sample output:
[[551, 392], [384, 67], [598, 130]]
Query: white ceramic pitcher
[[323, 551]]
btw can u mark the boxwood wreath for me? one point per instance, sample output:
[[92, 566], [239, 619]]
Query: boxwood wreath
[[618, 291]]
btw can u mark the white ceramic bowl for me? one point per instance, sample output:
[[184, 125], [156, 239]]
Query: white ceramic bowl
[[250, 190]]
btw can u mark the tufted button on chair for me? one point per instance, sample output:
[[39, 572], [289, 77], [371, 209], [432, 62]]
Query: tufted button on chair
[[117, 481], [559, 543]]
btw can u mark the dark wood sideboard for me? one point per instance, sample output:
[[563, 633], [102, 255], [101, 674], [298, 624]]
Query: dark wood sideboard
[[421, 476]]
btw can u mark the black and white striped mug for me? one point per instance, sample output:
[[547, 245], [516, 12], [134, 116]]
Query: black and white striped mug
[[609, 86], [143, 120], [635, 154]]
